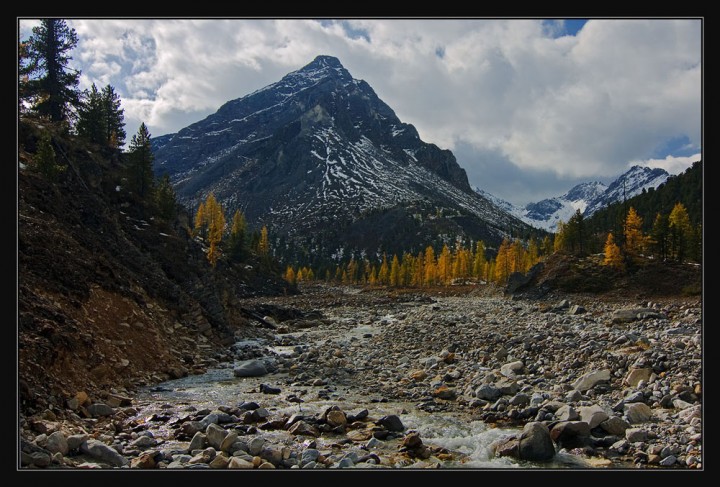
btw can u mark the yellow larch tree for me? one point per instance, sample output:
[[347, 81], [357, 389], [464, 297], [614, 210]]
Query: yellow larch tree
[[635, 241], [430, 267], [613, 258], [395, 273]]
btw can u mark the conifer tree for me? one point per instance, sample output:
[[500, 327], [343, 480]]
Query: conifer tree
[[114, 118], [479, 261], [613, 258], [91, 124], [634, 239], [52, 85], [660, 235], [430, 278], [290, 275], [236, 241], [264, 243], [680, 232], [384, 272], [45, 159], [140, 159], [395, 273], [165, 198]]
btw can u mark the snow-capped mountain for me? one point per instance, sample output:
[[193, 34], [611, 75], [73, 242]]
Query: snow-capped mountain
[[587, 197], [319, 154]]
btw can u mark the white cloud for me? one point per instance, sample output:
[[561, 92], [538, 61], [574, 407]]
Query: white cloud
[[573, 106], [673, 165]]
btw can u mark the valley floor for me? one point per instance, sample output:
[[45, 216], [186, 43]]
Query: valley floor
[[443, 378]]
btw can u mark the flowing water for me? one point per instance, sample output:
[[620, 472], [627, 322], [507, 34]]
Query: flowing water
[[456, 432]]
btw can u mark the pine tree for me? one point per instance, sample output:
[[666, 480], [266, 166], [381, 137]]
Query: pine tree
[[24, 70], [52, 86], [91, 124], [613, 258], [114, 118], [140, 159], [236, 243], [45, 159], [660, 236], [165, 198]]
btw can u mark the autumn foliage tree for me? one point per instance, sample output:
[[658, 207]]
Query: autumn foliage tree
[[635, 240], [210, 222], [613, 258]]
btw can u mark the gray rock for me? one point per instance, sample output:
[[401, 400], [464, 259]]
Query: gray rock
[[501, 354], [668, 461], [591, 379], [345, 463], [102, 452], [637, 412], [487, 392], [250, 368], [690, 413], [56, 443], [633, 435], [391, 423], [634, 377], [209, 419], [198, 442], [256, 445], [636, 396], [566, 413], [229, 441], [507, 387], [571, 434], [574, 396], [215, 435], [678, 403], [520, 399], [615, 426], [310, 455], [143, 442], [272, 455], [592, 415], [99, 409], [535, 443], [512, 369], [74, 441], [40, 459], [374, 443], [632, 314]]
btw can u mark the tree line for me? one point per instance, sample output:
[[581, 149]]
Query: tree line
[[48, 91], [428, 268]]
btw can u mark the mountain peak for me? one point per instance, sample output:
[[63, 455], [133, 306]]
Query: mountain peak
[[324, 60]]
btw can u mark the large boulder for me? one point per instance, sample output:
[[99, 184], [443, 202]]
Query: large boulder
[[536, 443], [591, 379], [634, 377], [571, 434], [250, 368], [103, 452]]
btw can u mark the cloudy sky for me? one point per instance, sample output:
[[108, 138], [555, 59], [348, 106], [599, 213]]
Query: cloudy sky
[[530, 107]]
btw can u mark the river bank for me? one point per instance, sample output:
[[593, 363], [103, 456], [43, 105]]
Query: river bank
[[413, 379]]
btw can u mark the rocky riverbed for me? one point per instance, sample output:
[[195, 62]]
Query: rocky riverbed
[[453, 378]]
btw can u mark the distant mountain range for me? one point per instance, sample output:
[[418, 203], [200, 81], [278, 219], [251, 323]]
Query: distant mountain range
[[587, 197], [326, 164]]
